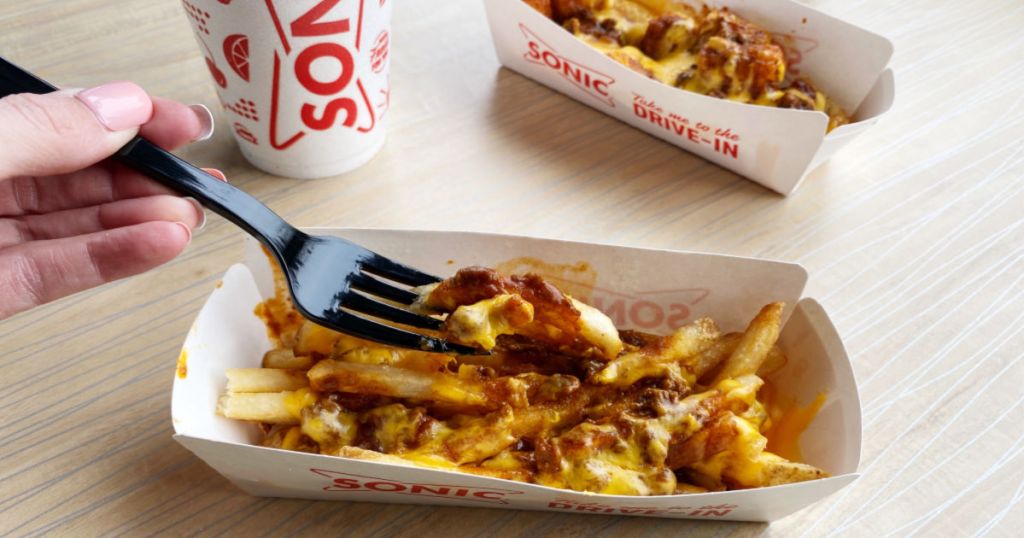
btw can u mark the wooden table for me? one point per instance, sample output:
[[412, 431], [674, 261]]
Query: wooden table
[[913, 236]]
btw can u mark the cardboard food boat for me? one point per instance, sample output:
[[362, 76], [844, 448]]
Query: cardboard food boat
[[775, 147], [652, 290]]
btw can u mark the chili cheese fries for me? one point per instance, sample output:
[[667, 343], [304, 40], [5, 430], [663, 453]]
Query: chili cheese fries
[[564, 399], [713, 51]]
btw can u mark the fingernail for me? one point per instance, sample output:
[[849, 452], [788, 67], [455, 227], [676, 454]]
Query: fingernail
[[118, 105], [199, 209], [205, 118], [188, 231], [216, 173]]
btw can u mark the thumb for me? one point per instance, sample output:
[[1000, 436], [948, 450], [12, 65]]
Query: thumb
[[65, 131]]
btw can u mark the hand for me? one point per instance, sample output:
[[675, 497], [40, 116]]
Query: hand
[[70, 221]]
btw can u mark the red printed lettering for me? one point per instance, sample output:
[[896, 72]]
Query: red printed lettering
[[656, 119], [438, 490], [713, 510], [678, 314], [727, 133], [678, 127], [594, 83], [340, 111], [304, 63], [553, 61], [587, 508], [308, 24], [384, 486], [349, 483], [646, 314], [346, 483], [724, 142], [726, 148], [327, 119], [490, 495], [616, 310], [534, 50]]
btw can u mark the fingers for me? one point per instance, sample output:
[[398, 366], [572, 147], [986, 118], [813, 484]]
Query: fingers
[[216, 173], [87, 220], [25, 195], [45, 135], [66, 131], [174, 124], [38, 272]]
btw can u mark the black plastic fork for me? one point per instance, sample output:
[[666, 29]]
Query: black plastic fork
[[323, 272]]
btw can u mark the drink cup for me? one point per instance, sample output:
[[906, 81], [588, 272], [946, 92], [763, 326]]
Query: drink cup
[[304, 83]]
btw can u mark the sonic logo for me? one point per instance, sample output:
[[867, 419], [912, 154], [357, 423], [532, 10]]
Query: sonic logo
[[657, 310], [326, 101], [358, 483], [594, 83]]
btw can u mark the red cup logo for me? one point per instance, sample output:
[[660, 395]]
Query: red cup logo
[[236, 51], [334, 97], [245, 134], [216, 73], [379, 53]]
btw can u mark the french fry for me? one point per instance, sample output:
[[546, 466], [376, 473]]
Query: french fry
[[520, 304], [729, 450], [508, 464], [544, 6], [557, 403], [419, 361], [330, 375], [710, 440], [264, 380], [775, 361], [708, 362], [475, 439], [287, 437], [312, 338], [682, 488], [754, 345], [777, 471], [268, 407], [285, 358], [356, 453], [657, 359]]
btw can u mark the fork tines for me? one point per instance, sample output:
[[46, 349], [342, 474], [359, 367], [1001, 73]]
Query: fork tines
[[381, 266], [366, 305], [386, 334], [392, 270], [373, 286]]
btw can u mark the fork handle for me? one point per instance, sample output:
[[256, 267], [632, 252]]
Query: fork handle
[[142, 155], [230, 202]]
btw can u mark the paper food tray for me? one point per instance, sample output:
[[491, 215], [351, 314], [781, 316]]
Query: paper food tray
[[652, 290], [775, 147]]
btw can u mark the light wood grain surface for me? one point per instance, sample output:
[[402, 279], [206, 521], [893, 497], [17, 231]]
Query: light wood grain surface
[[913, 236]]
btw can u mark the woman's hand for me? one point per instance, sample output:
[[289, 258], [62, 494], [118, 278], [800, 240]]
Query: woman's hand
[[70, 221]]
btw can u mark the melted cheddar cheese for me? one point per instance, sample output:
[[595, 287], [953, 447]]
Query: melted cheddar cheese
[[481, 323], [713, 51], [564, 400]]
